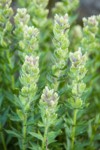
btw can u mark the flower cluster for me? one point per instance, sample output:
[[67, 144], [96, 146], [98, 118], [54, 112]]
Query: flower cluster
[[61, 42], [49, 97], [65, 6], [30, 39], [22, 18], [48, 106], [41, 3], [78, 72], [29, 78], [38, 8], [5, 3], [6, 13], [90, 31], [91, 23]]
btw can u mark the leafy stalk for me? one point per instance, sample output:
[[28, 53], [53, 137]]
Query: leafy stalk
[[3, 139], [24, 128], [74, 128], [48, 108]]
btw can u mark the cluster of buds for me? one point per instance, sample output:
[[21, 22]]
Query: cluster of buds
[[61, 22], [30, 39], [22, 18], [5, 3], [90, 22], [78, 62], [65, 6], [6, 13], [41, 3], [61, 42], [38, 8], [29, 78], [78, 71], [90, 31], [49, 97], [48, 105]]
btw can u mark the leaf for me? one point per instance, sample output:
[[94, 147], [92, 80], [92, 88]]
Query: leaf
[[13, 133], [1, 99], [14, 118], [34, 146], [52, 135], [37, 135], [3, 117]]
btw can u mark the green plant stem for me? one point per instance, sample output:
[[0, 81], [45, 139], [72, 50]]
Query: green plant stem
[[44, 145], [24, 133], [73, 129], [3, 139]]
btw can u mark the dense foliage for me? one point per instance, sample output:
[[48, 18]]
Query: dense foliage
[[49, 77]]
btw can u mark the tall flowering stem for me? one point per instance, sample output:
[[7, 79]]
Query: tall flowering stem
[[91, 44], [48, 108], [61, 43], [78, 72], [29, 78]]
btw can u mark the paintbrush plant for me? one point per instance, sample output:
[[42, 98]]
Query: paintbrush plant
[[49, 77]]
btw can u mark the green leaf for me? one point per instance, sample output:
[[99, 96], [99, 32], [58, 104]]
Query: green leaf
[[37, 135], [4, 116], [1, 99], [52, 135], [13, 133], [34, 146]]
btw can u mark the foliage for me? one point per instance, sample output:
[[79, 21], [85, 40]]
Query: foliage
[[49, 77]]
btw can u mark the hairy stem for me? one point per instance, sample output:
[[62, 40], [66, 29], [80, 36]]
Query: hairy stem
[[73, 129], [3, 141], [44, 143], [24, 133], [2, 138]]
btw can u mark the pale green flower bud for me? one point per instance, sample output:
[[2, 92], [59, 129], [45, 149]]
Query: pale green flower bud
[[22, 18], [6, 13], [65, 6], [77, 59], [78, 88], [42, 3], [5, 3], [49, 97], [30, 39], [32, 61], [90, 26], [30, 32], [62, 22], [75, 103], [91, 21]]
